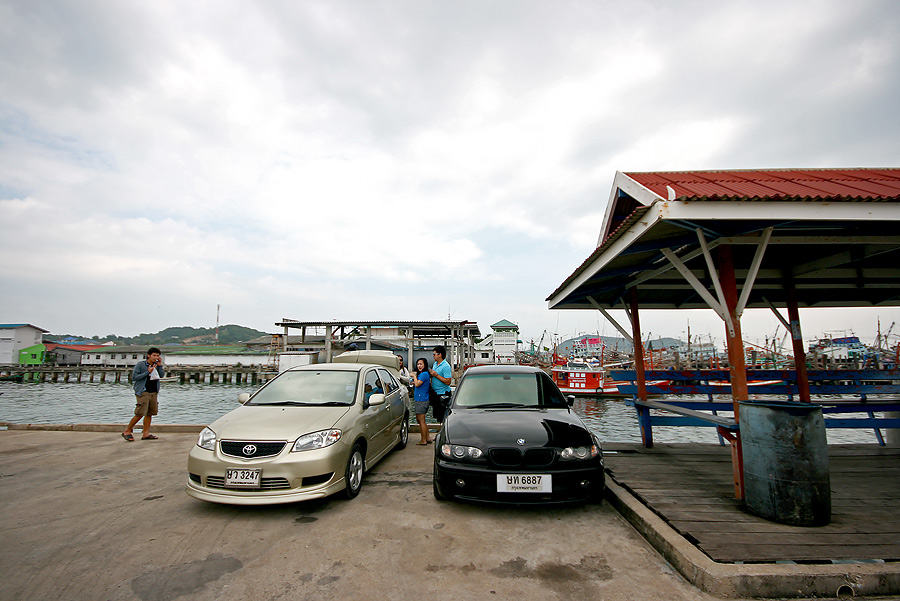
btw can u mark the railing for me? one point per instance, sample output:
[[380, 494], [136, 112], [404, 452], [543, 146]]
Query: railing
[[837, 391]]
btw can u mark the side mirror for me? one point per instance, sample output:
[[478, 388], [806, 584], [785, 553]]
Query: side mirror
[[376, 399], [243, 397], [570, 399]]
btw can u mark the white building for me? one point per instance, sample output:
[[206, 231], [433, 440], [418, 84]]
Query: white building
[[505, 341], [17, 336], [176, 356]]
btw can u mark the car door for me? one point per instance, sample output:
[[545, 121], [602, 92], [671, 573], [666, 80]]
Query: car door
[[377, 417], [396, 398]]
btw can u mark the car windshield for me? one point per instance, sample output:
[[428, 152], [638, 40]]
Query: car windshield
[[507, 391], [308, 388]]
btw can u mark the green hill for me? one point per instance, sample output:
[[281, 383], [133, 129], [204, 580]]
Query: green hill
[[229, 334]]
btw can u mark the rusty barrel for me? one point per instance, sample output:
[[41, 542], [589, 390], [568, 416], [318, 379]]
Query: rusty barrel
[[785, 451]]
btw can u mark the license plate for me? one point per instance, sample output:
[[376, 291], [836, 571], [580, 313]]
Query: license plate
[[524, 483], [242, 478]]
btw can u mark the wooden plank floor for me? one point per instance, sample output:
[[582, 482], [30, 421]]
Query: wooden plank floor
[[690, 486]]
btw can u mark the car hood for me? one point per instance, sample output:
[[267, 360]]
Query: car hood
[[485, 428], [275, 422]]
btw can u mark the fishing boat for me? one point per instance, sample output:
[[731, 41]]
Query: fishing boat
[[575, 377]]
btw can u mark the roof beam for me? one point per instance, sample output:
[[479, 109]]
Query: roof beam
[[780, 211], [842, 258], [694, 282], [754, 270], [611, 320], [714, 275]]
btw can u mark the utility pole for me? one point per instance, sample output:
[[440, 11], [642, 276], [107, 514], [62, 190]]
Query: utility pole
[[218, 306]]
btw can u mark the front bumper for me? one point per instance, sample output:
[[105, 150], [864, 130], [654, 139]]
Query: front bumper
[[286, 478], [480, 483]]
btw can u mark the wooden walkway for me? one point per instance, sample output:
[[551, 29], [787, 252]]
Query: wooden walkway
[[690, 487]]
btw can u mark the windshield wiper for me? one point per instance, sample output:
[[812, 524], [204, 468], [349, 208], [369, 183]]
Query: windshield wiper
[[291, 403], [497, 405]]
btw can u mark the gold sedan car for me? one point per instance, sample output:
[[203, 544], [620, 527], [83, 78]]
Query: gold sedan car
[[312, 431]]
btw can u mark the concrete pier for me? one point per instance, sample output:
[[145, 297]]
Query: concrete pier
[[225, 374], [88, 516]]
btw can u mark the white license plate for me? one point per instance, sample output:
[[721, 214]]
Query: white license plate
[[524, 483], [243, 478]]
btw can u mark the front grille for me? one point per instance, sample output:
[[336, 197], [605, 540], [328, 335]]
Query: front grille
[[264, 483], [237, 448], [511, 457], [539, 457], [506, 457]]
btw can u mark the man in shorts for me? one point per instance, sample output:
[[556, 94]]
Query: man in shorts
[[440, 383], [146, 376]]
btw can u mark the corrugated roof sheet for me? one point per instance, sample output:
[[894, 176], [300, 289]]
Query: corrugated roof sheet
[[776, 184]]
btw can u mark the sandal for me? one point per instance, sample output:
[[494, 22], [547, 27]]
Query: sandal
[[128, 437], [149, 437], [422, 443]]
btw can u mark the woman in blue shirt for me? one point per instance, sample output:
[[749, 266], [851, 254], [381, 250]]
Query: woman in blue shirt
[[422, 381]]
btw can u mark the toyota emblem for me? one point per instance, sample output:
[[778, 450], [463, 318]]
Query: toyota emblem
[[520, 441], [249, 449]]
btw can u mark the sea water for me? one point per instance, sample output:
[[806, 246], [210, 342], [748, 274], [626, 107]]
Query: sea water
[[108, 403]]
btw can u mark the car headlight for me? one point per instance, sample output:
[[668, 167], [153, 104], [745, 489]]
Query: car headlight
[[458, 451], [576, 453], [317, 440], [207, 440]]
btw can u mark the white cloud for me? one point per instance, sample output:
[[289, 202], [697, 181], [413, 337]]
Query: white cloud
[[280, 159]]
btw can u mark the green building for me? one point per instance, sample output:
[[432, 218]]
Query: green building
[[32, 355]]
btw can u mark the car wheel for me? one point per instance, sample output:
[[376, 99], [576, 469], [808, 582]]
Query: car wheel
[[404, 432], [353, 475]]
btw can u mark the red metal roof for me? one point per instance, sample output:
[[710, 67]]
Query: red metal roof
[[775, 184]]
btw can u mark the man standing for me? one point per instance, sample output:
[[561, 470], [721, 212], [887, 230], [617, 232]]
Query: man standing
[[146, 377], [405, 377], [440, 374]]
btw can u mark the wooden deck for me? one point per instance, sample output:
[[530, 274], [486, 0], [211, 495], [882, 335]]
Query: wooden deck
[[690, 486]]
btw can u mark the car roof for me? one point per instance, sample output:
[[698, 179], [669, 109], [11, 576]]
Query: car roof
[[502, 369], [335, 367]]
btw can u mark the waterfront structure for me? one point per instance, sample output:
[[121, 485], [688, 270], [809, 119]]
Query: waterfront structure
[[68, 354], [410, 339], [794, 238], [15, 337], [175, 356], [33, 355]]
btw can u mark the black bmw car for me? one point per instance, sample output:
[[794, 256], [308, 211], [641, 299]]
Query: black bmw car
[[510, 436]]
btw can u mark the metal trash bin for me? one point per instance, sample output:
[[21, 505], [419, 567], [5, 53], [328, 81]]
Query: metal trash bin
[[786, 477]]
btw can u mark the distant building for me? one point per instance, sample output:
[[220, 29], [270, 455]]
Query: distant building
[[33, 355], [505, 341], [67, 354], [15, 337], [180, 355]]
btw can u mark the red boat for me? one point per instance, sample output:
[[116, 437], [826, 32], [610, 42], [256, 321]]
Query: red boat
[[584, 378]]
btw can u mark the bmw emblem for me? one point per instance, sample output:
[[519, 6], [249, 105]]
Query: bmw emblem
[[249, 450], [520, 441]]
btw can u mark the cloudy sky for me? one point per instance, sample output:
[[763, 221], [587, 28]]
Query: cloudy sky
[[396, 159]]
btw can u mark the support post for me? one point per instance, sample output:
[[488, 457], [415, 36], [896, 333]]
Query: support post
[[735, 344], [797, 340], [646, 431], [327, 344]]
